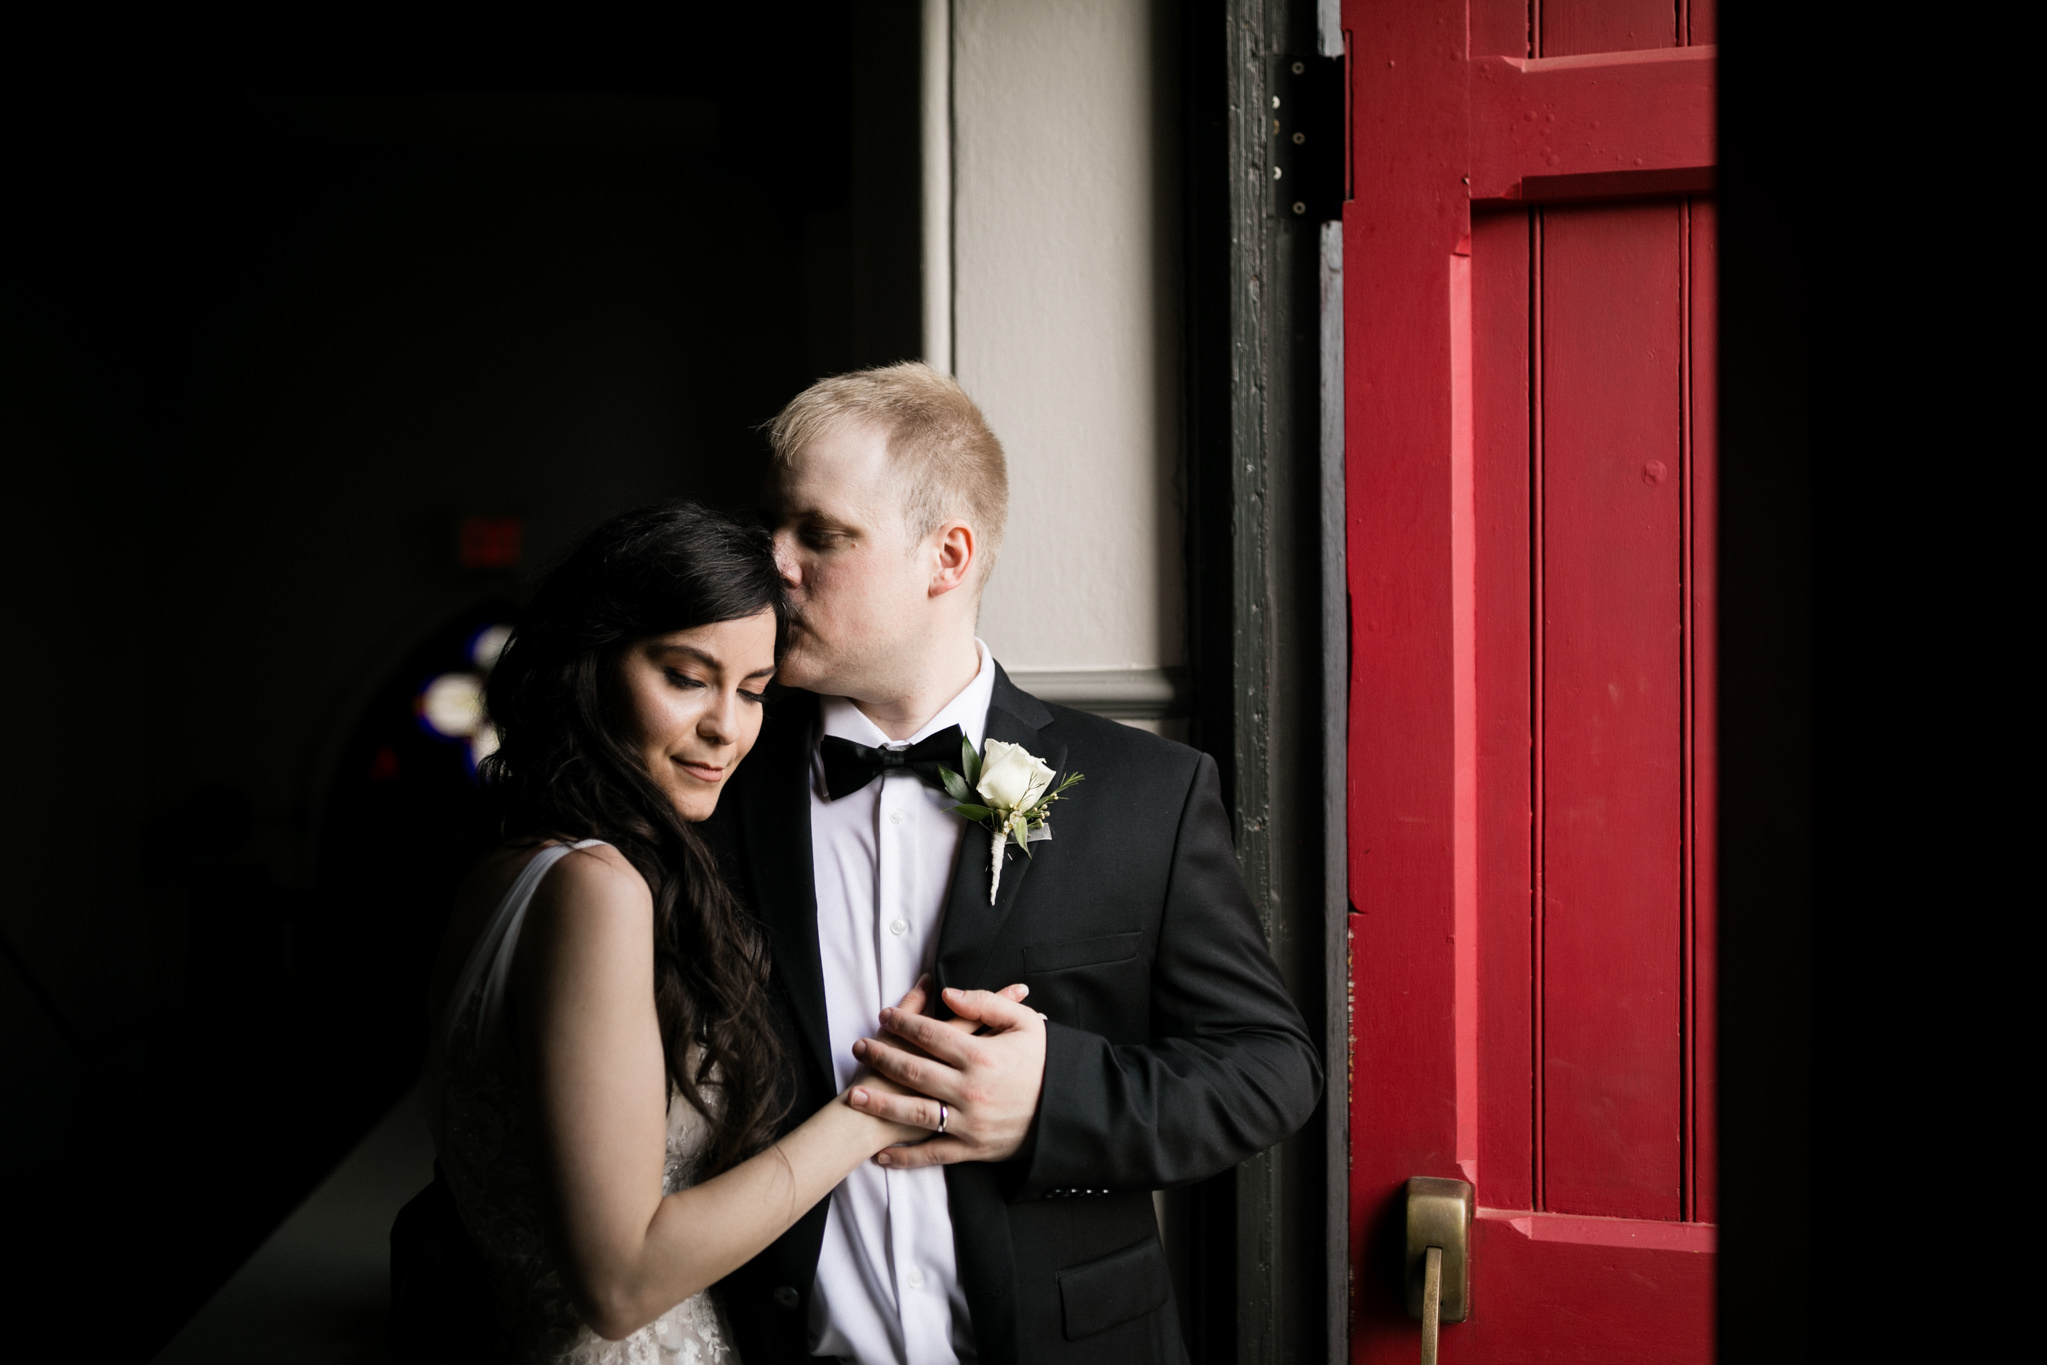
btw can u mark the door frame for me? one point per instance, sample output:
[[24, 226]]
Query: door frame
[[1269, 645]]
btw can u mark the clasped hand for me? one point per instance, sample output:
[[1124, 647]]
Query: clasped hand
[[987, 1081]]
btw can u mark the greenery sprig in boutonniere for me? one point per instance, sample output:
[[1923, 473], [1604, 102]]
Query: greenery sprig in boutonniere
[[1016, 796]]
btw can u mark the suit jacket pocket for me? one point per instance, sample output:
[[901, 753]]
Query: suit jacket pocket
[[1096, 1295], [1085, 952]]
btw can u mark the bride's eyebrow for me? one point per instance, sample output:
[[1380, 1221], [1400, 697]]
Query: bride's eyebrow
[[690, 651]]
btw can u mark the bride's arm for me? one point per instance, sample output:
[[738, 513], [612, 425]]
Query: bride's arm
[[582, 987]]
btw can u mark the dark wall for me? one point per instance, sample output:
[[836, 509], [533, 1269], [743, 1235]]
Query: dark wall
[[264, 352]]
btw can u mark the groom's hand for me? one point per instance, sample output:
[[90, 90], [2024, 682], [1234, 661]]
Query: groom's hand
[[988, 1082]]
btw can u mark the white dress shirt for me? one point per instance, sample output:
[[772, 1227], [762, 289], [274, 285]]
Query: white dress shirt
[[887, 1284]]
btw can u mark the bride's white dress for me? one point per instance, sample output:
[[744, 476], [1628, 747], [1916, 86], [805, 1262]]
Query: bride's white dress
[[484, 1138]]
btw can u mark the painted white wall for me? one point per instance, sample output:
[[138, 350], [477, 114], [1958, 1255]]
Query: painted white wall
[[1065, 320]]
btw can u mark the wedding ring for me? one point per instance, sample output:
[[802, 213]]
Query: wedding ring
[[940, 1130]]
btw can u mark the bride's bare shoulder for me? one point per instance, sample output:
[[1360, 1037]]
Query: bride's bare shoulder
[[599, 869], [590, 926], [599, 873], [584, 888]]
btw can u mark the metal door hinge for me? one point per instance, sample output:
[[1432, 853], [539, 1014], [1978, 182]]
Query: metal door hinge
[[1308, 110]]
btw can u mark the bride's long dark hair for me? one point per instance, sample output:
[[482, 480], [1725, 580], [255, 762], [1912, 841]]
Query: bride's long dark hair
[[562, 771]]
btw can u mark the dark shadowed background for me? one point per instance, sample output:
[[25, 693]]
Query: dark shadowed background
[[270, 352]]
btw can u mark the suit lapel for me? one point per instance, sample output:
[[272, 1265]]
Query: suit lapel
[[776, 814], [971, 925], [980, 1212]]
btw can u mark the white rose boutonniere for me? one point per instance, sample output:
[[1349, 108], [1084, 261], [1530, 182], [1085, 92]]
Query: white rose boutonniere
[[1014, 787]]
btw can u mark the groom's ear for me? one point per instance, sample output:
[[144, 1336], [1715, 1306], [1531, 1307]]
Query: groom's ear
[[955, 547]]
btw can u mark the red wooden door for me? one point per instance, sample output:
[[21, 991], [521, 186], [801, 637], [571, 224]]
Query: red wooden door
[[1529, 351]]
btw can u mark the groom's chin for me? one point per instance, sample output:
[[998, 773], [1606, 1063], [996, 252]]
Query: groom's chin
[[796, 669]]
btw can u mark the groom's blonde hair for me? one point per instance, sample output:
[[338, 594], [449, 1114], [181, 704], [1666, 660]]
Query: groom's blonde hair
[[946, 461]]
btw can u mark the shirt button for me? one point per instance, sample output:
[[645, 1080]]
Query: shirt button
[[895, 817], [915, 1279], [899, 927]]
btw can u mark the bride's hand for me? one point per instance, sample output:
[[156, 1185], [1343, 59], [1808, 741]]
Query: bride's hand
[[869, 1084]]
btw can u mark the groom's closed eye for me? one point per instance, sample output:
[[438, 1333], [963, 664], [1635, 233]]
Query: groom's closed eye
[[824, 535]]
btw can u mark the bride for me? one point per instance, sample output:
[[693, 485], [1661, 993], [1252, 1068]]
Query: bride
[[605, 1080]]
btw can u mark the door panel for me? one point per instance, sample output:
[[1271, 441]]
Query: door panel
[[1572, 28], [1609, 804], [1530, 442]]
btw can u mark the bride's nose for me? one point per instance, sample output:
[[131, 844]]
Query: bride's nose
[[718, 721]]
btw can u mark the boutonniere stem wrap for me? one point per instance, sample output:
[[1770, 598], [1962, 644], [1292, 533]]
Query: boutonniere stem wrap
[[1008, 792]]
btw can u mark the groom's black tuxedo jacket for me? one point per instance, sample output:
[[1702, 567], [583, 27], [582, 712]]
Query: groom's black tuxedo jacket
[[1172, 1050]]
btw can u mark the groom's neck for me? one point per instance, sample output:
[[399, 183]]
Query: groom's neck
[[909, 700]]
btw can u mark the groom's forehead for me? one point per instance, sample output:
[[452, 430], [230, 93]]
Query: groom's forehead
[[836, 476]]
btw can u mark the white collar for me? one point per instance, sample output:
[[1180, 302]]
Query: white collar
[[968, 710]]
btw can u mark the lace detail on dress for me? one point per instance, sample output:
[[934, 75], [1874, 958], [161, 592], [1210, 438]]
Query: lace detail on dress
[[488, 1152]]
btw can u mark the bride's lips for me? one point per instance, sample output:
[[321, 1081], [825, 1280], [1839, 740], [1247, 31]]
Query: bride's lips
[[702, 772]]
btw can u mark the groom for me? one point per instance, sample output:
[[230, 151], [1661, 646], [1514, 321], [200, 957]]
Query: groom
[[1157, 1045]]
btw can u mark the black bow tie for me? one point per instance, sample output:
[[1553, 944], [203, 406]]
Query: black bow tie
[[848, 766]]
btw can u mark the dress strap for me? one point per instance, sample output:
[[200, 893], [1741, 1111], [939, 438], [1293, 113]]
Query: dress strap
[[487, 973]]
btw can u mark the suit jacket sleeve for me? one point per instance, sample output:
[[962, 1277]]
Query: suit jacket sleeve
[[1228, 1069]]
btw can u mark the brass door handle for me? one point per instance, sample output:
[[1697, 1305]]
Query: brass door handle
[[1438, 1262]]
